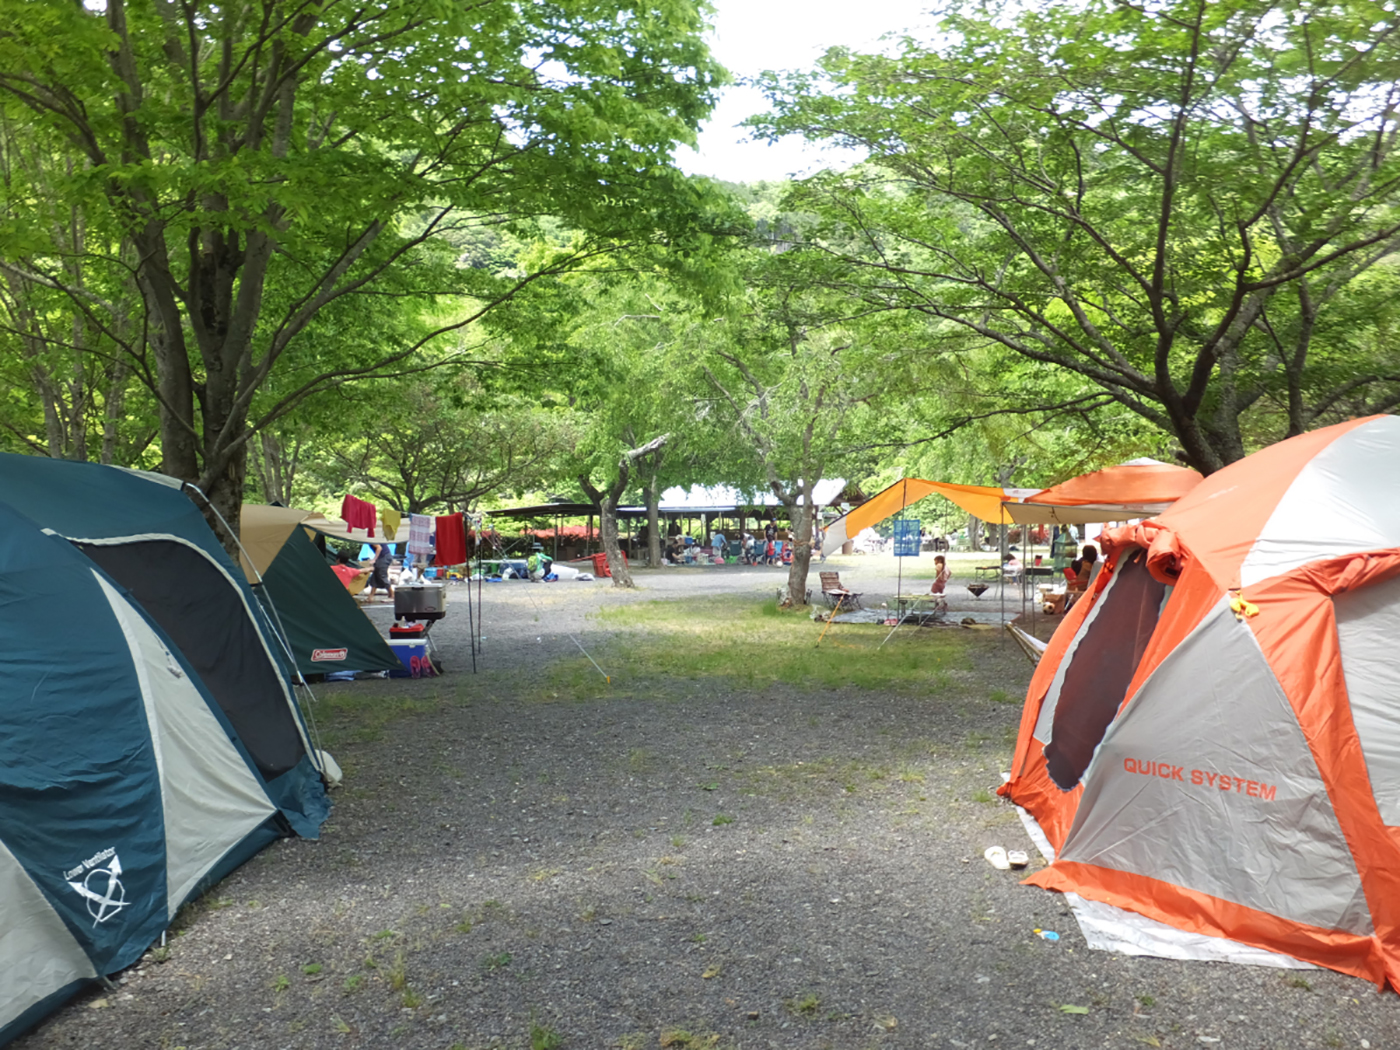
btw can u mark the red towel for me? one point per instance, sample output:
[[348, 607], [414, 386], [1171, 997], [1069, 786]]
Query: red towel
[[358, 514], [451, 540]]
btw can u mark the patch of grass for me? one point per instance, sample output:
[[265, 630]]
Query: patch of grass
[[542, 1037], [805, 1005], [983, 795], [311, 969], [495, 961], [411, 999], [281, 983], [682, 1039], [398, 973], [1298, 982], [353, 982], [360, 717], [755, 643], [724, 818], [1146, 1001], [1001, 696]]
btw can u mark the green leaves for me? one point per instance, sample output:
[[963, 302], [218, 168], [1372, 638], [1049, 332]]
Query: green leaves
[[1160, 201]]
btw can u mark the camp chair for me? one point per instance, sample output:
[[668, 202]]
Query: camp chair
[[834, 593]]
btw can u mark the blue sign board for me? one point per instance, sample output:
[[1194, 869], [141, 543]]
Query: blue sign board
[[906, 538]]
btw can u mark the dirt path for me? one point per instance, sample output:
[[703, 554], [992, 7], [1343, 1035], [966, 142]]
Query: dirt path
[[684, 864]]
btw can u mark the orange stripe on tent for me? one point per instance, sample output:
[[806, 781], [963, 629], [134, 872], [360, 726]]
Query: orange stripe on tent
[[1201, 913], [1297, 630]]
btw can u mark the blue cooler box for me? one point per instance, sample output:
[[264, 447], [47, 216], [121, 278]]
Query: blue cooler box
[[413, 654]]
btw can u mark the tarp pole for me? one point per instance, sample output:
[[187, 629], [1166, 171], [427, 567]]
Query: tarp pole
[[1001, 570], [471, 615]]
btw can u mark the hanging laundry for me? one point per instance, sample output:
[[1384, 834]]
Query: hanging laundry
[[420, 535], [451, 540], [358, 514], [391, 518]]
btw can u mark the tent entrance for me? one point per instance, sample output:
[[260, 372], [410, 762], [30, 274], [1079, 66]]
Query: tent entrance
[[203, 613], [1103, 664]]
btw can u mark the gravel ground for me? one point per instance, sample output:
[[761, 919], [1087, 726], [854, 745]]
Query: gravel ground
[[695, 864]]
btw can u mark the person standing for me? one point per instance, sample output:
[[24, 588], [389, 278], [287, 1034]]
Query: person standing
[[379, 575], [940, 581]]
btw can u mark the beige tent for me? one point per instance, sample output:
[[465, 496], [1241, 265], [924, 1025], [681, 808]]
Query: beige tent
[[265, 529]]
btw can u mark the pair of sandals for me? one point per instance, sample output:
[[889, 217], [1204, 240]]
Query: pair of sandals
[[1004, 860]]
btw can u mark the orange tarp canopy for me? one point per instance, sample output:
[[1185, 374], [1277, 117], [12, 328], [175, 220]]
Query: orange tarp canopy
[[1139, 489], [987, 502]]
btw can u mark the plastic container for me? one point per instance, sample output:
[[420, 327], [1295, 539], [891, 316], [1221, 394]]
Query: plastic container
[[600, 564], [413, 654]]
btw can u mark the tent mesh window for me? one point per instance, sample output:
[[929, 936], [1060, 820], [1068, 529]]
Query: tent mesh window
[[1104, 662], [204, 615]]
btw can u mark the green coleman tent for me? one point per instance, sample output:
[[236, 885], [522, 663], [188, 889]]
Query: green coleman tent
[[324, 626]]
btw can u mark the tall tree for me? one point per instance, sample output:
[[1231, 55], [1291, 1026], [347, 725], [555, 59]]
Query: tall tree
[[269, 161], [1168, 200], [442, 445], [790, 377], [606, 495]]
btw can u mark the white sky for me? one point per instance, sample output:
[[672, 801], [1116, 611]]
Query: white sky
[[753, 35]]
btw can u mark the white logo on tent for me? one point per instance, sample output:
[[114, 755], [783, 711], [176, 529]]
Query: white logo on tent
[[100, 886]]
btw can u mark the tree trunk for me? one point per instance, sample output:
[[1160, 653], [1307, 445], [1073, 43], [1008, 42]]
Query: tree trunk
[[606, 499], [974, 532], [653, 497], [800, 536], [607, 527]]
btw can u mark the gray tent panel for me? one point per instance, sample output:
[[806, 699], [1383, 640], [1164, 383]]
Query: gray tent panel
[[1207, 782], [1368, 629]]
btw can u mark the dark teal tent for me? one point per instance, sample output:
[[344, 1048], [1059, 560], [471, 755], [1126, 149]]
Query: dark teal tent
[[149, 738], [325, 628]]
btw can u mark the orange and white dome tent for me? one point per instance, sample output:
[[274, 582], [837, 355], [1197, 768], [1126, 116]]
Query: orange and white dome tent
[[1212, 740]]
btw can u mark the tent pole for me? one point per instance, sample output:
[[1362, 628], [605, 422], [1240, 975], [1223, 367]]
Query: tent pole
[[476, 640], [1001, 571], [1032, 583], [471, 615]]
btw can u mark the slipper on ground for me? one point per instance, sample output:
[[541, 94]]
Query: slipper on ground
[[996, 857]]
